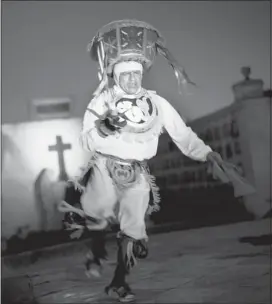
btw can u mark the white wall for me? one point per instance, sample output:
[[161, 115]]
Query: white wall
[[255, 116], [25, 155]]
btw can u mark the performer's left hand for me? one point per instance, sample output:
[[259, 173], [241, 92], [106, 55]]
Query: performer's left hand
[[214, 157]]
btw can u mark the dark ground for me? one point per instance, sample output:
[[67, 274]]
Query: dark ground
[[223, 264]]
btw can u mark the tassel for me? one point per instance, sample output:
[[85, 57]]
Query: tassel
[[182, 77], [77, 185], [102, 85], [63, 206], [102, 74], [77, 180]]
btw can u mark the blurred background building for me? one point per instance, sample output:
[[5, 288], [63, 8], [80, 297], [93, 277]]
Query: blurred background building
[[241, 133]]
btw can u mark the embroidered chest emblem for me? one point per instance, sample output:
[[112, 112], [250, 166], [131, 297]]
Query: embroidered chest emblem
[[136, 110]]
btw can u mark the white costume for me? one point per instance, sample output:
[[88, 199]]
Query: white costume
[[147, 115], [121, 131]]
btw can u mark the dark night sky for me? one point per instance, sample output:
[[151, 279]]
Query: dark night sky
[[44, 50]]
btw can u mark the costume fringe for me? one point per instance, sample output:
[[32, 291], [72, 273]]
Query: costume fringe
[[65, 207], [79, 229], [76, 184], [143, 167], [151, 179], [78, 180], [131, 260]]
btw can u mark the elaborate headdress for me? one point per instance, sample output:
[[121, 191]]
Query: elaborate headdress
[[125, 40]]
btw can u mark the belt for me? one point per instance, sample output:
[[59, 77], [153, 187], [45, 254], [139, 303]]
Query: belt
[[124, 161]]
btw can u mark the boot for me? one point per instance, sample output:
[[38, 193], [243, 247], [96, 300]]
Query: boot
[[98, 253], [119, 287], [123, 293]]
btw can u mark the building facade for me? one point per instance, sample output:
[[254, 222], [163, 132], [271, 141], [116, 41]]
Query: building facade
[[241, 133]]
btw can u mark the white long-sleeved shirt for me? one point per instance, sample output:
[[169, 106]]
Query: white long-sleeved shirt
[[182, 135]]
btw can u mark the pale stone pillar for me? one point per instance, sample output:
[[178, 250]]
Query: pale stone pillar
[[253, 118]]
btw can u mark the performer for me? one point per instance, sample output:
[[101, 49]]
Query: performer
[[121, 129]]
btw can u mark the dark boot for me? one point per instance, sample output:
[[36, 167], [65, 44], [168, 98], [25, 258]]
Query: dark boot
[[126, 260], [96, 255], [122, 293]]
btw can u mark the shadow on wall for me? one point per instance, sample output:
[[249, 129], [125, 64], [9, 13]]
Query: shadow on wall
[[30, 189], [40, 204], [48, 193], [50, 231]]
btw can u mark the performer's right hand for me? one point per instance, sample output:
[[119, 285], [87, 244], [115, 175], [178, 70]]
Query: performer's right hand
[[110, 125]]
